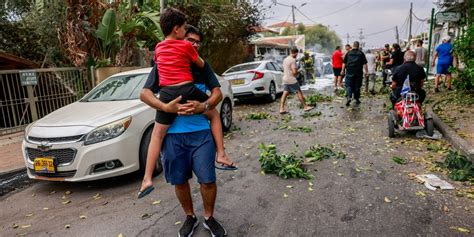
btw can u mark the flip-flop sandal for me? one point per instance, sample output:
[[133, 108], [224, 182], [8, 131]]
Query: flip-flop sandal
[[284, 112], [145, 192], [306, 110], [227, 167]]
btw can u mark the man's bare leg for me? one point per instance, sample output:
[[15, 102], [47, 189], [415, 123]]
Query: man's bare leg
[[208, 193], [437, 81], [216, 129], [449, 78], [157, 136], [283, 101], [183, 193], [301, 98]]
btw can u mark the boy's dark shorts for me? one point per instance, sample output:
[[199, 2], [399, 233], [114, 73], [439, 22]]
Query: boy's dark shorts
[[185, 153], [291, 88], [187, 91]]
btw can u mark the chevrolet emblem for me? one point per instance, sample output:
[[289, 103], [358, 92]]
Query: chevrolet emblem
[[44, 146]]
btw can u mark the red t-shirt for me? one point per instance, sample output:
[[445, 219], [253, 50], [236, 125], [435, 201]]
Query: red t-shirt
[[173, 59], [337, 59]]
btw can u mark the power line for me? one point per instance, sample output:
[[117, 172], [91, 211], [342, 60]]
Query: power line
[[423, 20], [305, 16], [331, 13], [380, 32]]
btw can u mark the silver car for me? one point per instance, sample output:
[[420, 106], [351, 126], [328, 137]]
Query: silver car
[[104, 134], [255, 79]]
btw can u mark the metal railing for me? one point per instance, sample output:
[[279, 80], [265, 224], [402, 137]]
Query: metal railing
[[28, 95]]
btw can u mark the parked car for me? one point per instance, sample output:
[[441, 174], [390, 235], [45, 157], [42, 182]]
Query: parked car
[[104, 134], [255, 79]]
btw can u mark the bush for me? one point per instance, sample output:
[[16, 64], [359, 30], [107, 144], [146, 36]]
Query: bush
[[464, 49]]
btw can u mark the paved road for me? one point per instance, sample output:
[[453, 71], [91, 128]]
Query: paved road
[[348, 197]]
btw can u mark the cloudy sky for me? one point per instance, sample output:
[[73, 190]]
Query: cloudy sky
[[349, 16]]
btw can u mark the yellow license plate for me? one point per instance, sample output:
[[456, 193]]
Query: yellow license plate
[[237, 82], [44, 165]]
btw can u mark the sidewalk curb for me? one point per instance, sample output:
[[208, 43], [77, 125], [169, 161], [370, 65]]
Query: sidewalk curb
[[11, 173], [458, 142]]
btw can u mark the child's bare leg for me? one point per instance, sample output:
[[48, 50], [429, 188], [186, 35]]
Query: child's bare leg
[[216, 128], [157, 136]]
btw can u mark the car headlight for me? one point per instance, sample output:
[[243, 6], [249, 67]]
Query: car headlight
[[108, 131]]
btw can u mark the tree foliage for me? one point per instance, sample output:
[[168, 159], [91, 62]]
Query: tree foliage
[[31, 31], [317, 37], [226, 27]]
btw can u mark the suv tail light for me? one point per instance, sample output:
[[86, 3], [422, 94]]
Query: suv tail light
[[257, 75]]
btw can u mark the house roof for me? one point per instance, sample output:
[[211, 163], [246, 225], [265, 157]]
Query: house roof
[[260, 29], [281, 24], [279, 41], [10, 61]]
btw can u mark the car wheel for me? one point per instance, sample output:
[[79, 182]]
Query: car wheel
[[226, 115], [271, 93], [143, 154]]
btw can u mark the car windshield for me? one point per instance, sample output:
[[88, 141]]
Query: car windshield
[[125, 87], [243, 67]]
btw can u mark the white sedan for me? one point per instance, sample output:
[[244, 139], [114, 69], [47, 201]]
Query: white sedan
[[255, 79], [104, 134]]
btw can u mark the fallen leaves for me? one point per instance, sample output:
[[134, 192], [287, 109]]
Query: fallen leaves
[[82, 217], [177, 223], [15, 226], [25, 226], [460, 229], [420, 193], [145, 216], [97, 196], [399, 160], [387, 200], [285, 195], [67, 226], [66, 202], [29, 215], [156, 202]]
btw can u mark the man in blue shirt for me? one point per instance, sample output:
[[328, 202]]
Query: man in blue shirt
[[444, 53], [189, 146]]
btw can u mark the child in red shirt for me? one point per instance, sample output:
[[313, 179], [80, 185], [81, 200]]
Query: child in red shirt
[[173, 57]]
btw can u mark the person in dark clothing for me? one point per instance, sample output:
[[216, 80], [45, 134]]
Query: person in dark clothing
[[354, 62], [385, 58], [396, 57], [416, 74]]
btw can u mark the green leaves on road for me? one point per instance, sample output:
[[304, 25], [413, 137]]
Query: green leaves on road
[[258, 116], [318, 153], [312, 100], [285, 166], [460, 167], [399, 160]]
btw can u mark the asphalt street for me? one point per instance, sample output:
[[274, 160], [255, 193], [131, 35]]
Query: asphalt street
[[366, 194]]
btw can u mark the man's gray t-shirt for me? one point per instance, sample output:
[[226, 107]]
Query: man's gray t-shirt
[[421, 56]]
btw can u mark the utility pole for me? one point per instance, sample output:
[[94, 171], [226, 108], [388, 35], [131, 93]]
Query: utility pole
[[162, 6], [411, 21], [432, 23], [397, 36], [361, 37], [348, 36], [294, 21]]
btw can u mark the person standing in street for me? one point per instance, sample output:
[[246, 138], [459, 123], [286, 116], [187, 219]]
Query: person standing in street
[[396, 57], [308, 67], [337, 67], [188, 146], [385, 58], [290, 84], [370, 76], [354, 62], [421, 54], [444, 53]]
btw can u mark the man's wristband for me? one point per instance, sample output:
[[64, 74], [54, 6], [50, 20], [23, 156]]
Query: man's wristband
[[206, 107]]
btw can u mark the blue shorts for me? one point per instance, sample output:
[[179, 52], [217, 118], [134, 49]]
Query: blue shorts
[[185, 153], [442, 68]]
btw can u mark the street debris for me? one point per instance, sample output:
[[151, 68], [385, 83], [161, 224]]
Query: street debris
[[399, 160], [97, 196], [285, 195], [177, 223], [82, 217], [312, 100], [311, 114], [258, 116], [423, 134], [301, 129], [145, 216], [432, 182], [285, 166], [459, 166], [387, 200], [156, 202], [67, 226], [460, 229], [318, 153], [15, 226], [66, 202]]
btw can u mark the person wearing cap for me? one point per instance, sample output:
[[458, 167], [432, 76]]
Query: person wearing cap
[[444, 53]]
